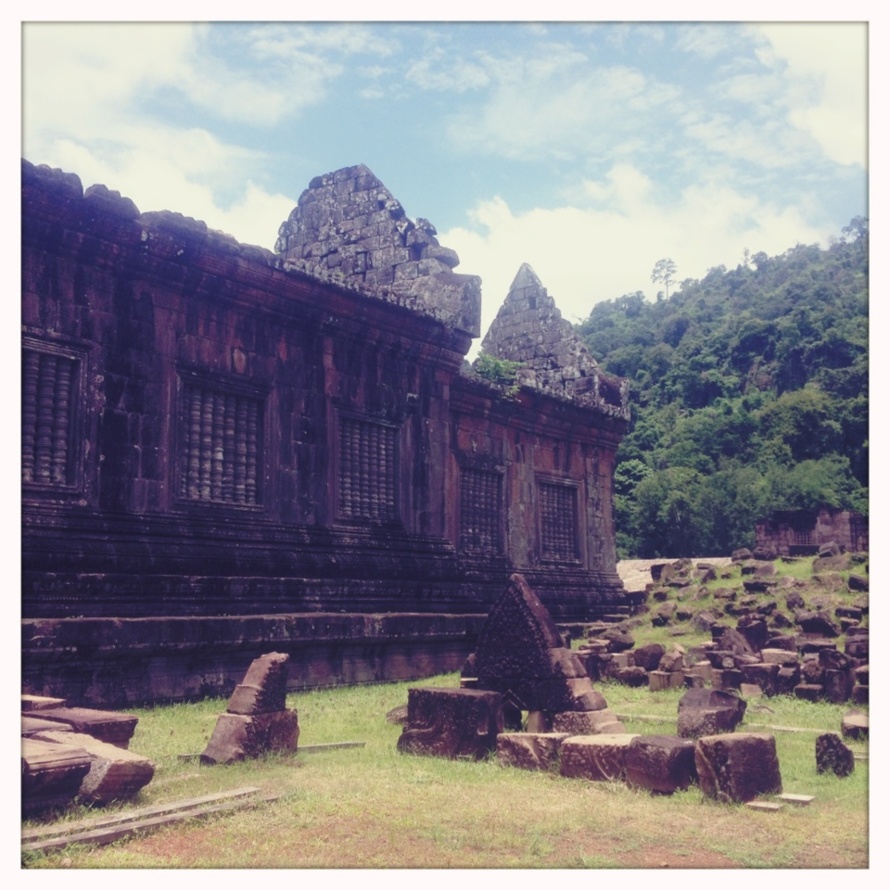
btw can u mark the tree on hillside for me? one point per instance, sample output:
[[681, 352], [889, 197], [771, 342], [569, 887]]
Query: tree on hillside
[[664, 271]]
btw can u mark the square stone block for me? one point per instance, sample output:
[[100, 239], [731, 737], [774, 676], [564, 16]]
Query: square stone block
[[737, 767], [530, 750], [596, 757]]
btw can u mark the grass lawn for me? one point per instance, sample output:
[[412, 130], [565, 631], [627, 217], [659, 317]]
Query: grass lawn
[[372, 807]]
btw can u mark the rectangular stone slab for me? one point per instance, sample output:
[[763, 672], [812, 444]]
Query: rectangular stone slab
[[600, 758], [41, 702], [115, 773], [530, 750], [51, 773], [107, 726]]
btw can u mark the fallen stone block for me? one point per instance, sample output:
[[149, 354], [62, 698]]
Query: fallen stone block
[[661, 763], [632, 676], [452, 723], [833, 756], [838, 685], [587, 722], [237, 736], [809, 691], [114, 774], [659, 680], [787, 678], [32, 725], [51, 774], [41, 702], [528, 750], [797, 800], [737, 767], [107, 726], [764, 674], [779, 656], [264, 687], [764, 806], [648, 656], [854, 725], [703, 712], [859, 694], [596, 757]]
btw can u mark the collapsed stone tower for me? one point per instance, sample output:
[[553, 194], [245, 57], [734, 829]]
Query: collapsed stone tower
[[529, 329], [348, 227]]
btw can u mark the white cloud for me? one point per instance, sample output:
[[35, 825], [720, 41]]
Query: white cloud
[[827, 64], [558, 107], [707, 41], [585, 256]]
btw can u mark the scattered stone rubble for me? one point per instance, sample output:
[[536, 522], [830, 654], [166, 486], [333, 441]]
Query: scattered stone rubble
[[522, 665], [257, 720], [817, 656], [79, 754]]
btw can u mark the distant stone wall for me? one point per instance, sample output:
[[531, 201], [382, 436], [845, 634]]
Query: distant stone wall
[[797, 532]]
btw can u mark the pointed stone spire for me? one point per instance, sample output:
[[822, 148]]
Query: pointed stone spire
[[529, 329], [347, 227]]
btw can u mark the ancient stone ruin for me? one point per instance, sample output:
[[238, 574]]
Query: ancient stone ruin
[[227, 448], [257, 720], [525, 696], [521, 671], [78, 754]]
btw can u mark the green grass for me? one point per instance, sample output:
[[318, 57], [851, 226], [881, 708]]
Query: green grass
[[372, 807]]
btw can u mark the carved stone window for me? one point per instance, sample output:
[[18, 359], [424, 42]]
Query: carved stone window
[[367, 470], [480, 511], [559, 521], [220, 444], [50, 386]]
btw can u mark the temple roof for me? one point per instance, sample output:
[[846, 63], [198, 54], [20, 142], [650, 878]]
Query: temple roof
[[529, 329], [348, 227]]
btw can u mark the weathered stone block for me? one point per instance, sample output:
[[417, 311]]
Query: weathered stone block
[[809, 691], [596, 757], [107, 726], [114, 774], [703, 712], [763, 675], [32, 725], [648, 656], [452, 722], [859, 694], [832, 755], [781, 657], [264, 687], [661, 763], [528, 750], [587, 722], [854, 725], [41, 702], [632, 676], [238, 736], [838, 685], [665, 680], [737, 768], [51, 774]]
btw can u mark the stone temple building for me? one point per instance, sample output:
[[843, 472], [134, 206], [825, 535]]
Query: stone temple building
[[228, 450]]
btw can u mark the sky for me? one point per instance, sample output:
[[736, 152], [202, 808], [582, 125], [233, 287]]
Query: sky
[[589, 150]]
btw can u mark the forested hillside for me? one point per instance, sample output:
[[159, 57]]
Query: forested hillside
[[749, 393]]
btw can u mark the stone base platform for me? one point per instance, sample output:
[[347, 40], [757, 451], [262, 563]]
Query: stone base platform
[[122, 662]]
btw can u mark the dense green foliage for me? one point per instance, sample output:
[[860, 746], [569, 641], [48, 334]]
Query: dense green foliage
[[750, 394]]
